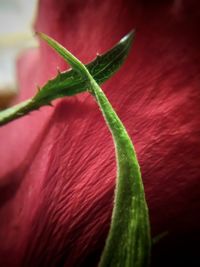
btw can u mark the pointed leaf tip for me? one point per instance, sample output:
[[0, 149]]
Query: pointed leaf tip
[[128, 37]]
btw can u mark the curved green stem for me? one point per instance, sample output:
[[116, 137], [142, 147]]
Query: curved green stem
[[128, 243], [17, 111]]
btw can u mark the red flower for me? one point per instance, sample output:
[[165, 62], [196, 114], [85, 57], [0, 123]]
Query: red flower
[[57, 168]]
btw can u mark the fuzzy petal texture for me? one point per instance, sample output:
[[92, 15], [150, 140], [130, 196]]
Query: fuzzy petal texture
[[57, 168]]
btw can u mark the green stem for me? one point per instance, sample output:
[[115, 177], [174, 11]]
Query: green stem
[[17, 111], [128, 243]]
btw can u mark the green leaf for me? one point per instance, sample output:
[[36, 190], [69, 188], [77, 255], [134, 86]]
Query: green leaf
[[102, 68], [128, 243], [71, 82]]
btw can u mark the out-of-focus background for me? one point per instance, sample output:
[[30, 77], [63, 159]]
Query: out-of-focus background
[[16, 34]]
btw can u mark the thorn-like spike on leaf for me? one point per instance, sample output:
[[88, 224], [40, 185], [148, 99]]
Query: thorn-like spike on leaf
[[50, 104], [58, 71], [98, 56], [38, 88]]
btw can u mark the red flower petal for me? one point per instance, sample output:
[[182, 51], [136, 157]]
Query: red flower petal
[[57, 165]]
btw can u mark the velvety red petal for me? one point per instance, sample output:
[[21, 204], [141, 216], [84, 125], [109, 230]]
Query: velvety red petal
[[57, 165]]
